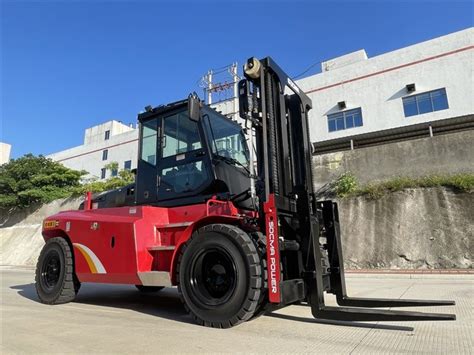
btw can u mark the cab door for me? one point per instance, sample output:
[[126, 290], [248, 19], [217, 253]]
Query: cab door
[[184, 166], [146, 179]]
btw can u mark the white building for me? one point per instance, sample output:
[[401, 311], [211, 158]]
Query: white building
[[425, 82], [416, 91], [5, 150], [109, 142], [410, 92]]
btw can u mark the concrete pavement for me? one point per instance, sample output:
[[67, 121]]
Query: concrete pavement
[[118, 319]]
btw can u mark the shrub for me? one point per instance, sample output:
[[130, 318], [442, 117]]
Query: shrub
[[345, 185]]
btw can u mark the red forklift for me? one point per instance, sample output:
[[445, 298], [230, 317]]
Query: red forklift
[[236, 240]]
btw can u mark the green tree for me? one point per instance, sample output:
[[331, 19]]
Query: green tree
[[127, 176], [122, 178], [112, 166], [35, 179]]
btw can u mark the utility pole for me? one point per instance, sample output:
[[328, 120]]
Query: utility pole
[[235, 80], [209, 86]]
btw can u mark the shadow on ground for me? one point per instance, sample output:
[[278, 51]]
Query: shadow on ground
[[166, 304], [341, 323]]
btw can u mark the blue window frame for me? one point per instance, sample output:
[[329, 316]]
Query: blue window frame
[[127, 165], [430, 101], [105, 154], [102, 173], [114, 172], [345, 120]]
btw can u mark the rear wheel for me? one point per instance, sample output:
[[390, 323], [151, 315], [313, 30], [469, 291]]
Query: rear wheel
[[220, 276], [55, 279]]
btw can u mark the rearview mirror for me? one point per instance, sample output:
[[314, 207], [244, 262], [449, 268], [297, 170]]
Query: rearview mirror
[[194, 110]]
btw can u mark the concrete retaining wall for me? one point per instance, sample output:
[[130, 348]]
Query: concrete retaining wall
[[416, 228], [419, 228], [444, 154], [20, 232]]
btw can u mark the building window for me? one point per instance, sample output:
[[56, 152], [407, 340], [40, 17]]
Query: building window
[[102, 173], [127, 165], [344, 120], [114, 172], [435, 100], [105, 153], [107, 135]]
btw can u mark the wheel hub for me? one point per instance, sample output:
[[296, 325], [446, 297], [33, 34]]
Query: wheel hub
[[214, 276], [51, 270]]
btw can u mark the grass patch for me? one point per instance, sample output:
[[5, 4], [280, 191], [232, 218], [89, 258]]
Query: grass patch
[[347, 184]]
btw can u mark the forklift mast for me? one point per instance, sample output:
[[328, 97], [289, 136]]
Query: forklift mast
[[303, 243], [278, 112]]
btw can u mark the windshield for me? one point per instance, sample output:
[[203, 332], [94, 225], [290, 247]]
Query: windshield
[[228, 141]]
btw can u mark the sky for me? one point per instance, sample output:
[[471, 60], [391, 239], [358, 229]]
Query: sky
[[69, 65]]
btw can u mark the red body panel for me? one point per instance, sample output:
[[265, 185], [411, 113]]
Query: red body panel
[[113, 245]]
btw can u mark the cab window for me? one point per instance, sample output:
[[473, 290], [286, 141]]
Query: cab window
[[149, 136], [184, 177], [227, 138], [180, 135]]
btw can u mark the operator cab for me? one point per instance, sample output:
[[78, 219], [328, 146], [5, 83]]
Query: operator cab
[[188, 153]]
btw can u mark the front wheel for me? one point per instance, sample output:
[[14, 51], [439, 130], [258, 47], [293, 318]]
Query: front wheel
[[220, 276], [55, 279]]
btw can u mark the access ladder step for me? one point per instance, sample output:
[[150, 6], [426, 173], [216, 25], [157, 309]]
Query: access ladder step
[[161, 247]]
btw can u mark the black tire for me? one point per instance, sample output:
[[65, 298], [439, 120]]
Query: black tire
[[149, 289], [55, 279], [220, 276], [260, 244]]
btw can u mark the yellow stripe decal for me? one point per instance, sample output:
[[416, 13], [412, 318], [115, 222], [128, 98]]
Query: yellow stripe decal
[[92, 260]]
